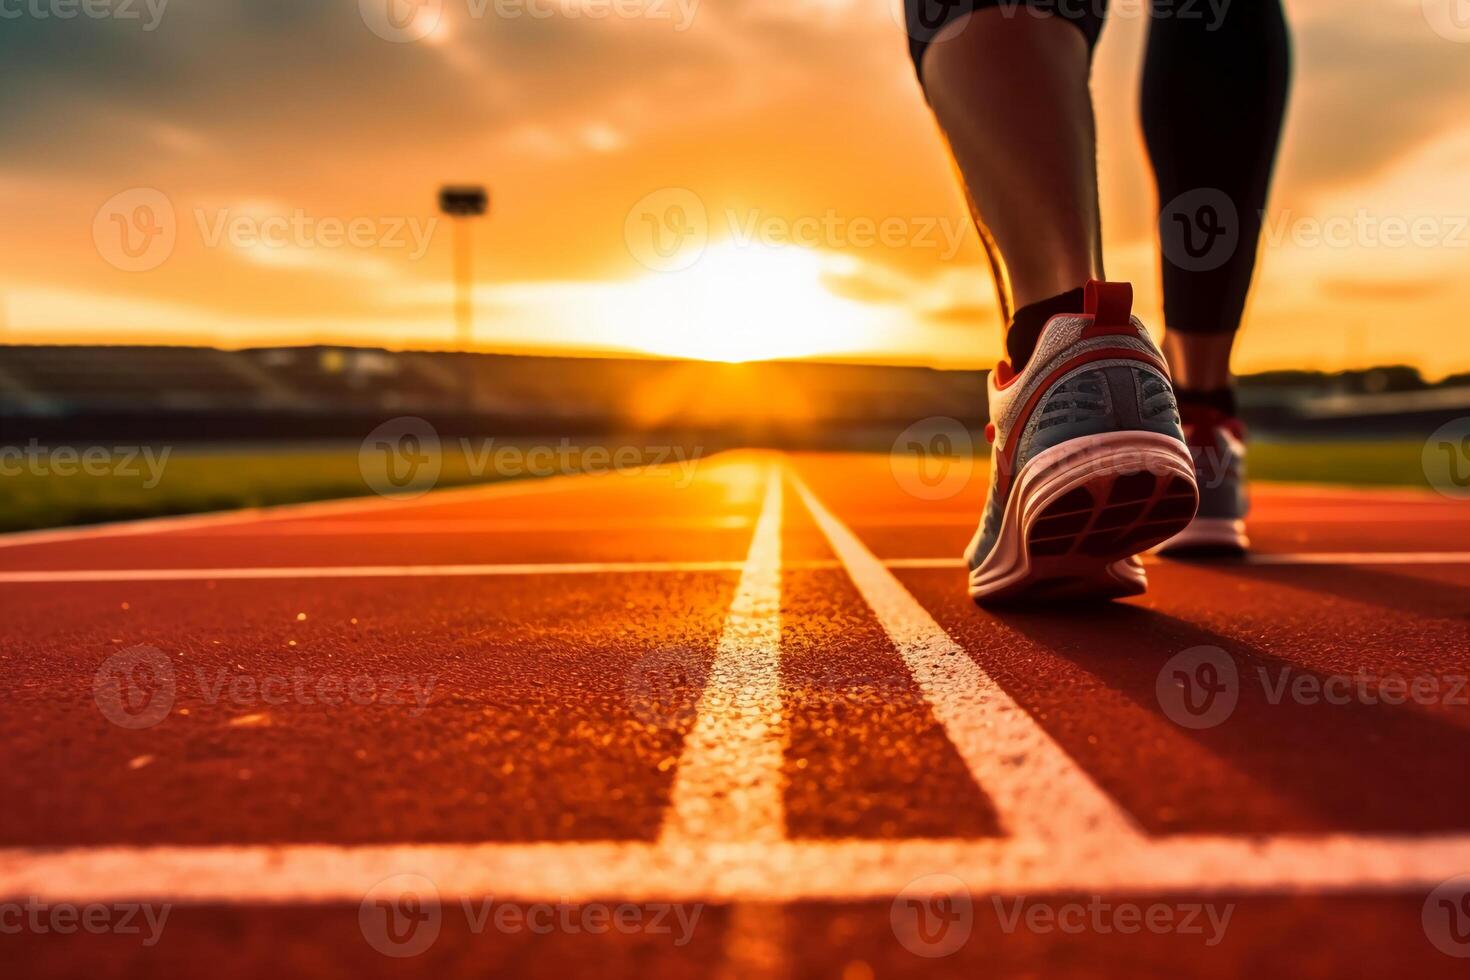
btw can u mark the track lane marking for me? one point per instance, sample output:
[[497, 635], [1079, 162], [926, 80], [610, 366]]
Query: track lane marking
[[503, 525], [1038, 791], [728, 784], [365, 571], [1349, 514], [1255, 558], [756, 943], [54, 576], [1361, 558], [777, 871], [761, 871]]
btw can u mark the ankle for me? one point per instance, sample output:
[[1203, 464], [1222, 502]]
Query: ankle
[[1026, 326], [1197, 403]]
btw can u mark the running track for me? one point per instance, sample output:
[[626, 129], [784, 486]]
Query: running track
[[762, 696]]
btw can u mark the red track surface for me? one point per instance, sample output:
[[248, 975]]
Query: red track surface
[[553, 705]]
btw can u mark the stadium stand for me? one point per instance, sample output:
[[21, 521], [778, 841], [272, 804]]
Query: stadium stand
[[201, 393]]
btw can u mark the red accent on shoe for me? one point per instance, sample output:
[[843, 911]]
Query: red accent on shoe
[[1006, 459], [1200, 422], [1110, 304], [990, 432], [1004, 374]]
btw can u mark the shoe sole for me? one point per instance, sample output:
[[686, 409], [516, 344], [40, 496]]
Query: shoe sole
[[1208, 537], [1081, 511]]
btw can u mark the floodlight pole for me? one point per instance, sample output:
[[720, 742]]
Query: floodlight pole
[[464, 263], [462, 203]]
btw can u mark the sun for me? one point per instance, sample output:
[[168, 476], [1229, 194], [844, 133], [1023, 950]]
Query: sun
[[744, 303]]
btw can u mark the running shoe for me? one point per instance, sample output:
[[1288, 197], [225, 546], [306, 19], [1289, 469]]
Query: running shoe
[[1217, 443], [1089, 466]]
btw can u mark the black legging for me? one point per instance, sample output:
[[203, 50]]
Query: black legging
[[1214, 93]]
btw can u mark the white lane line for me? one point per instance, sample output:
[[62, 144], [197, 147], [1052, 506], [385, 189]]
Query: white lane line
[[1347, 491], [364, 571], [1300, 558], [51, 576], [728, 784], [1362, 558], [756, 943], [283, 512], [1368, 513], [924, 563], [776, 871], [1037, 789], [504, 525], [55, 577]]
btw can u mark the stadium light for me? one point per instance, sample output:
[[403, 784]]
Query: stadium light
[[462, 203]]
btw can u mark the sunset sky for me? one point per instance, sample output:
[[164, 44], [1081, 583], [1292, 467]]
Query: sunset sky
[[782, 145]]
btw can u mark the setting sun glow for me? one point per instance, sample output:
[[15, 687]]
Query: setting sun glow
[[572, 121], [742, 303]]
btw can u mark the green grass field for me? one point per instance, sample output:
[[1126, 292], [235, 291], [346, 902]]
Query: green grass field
[[193, 479], [1395, 463]]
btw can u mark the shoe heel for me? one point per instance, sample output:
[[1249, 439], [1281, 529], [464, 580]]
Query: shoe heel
[[1080, 511], [1102, 513]]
